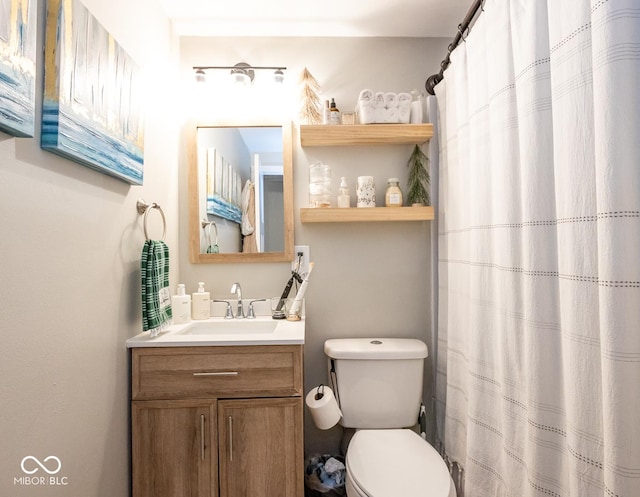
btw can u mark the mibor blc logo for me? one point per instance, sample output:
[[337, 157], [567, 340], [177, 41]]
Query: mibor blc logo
[[33, 470]]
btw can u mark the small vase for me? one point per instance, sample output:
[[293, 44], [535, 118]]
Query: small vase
[[366, 191]]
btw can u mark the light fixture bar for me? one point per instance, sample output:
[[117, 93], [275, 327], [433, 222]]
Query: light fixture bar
[[241, 73], [204, 68]]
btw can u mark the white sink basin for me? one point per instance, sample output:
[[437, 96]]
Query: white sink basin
[[230, 327], [219, 331]]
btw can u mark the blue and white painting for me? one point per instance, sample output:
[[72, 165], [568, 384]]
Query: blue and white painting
[[223, 188], [92, 106], [17, 67]]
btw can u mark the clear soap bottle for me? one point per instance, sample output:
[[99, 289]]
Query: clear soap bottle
[[201, 303], [344, 198], [181, 306]]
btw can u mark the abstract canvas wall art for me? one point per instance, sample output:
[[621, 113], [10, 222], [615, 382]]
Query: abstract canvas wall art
[[223, 188], [92, 105], [17, 66]]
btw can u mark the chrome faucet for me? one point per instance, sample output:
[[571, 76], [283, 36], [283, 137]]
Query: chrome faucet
[[235, 288]]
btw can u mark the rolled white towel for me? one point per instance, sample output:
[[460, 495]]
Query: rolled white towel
[[380, 115], [378, 100], [390, 99], [404, 100], [365, 97]]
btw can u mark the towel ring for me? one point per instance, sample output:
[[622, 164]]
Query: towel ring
[[144, 208], [212, 248]]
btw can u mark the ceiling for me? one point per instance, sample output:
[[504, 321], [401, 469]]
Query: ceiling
[[310, 18]]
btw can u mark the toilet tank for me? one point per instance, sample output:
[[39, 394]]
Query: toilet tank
[[378, 381]]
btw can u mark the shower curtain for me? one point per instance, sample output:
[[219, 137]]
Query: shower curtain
[[538, 375]]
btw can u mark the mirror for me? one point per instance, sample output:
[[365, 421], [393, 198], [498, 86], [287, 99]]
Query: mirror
[[241, 193]]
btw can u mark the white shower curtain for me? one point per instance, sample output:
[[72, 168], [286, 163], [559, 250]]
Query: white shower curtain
[[538, 384]]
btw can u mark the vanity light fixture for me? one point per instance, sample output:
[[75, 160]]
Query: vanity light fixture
[[201, 77], [278, 76], [241, 73]]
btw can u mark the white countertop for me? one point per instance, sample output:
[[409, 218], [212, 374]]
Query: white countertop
[[285, 333]]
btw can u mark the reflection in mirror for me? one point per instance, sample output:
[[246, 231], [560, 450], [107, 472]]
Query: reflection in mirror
[[240, 193]]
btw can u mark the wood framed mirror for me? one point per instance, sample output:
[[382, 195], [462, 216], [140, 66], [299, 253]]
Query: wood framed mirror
[[240, 188]]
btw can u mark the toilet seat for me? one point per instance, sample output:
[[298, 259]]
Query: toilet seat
[[392, 463]]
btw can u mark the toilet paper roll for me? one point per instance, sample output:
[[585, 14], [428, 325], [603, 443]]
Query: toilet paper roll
[[324, 407]]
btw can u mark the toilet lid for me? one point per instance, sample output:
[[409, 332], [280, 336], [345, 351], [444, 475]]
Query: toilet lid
[[392, 463]]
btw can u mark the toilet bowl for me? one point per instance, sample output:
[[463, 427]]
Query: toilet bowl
[[395, 463], [378, 386]]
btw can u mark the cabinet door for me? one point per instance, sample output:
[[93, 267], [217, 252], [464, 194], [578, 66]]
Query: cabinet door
[[261, 448], [173, 448]]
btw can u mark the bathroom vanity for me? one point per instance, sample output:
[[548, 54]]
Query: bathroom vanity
[[211, 416]]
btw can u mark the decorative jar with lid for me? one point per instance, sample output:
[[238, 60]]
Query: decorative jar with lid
[[393, 197]]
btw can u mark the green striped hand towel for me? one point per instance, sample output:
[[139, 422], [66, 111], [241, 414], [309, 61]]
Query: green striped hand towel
[[156, 297]]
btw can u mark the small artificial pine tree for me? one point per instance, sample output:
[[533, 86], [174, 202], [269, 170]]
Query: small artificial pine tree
[[310, 111], [419, 179]]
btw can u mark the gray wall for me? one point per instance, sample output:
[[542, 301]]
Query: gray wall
[[70, 294], [369, 279]]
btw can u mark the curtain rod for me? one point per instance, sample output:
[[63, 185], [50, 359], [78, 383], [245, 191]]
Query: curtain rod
[[433, 80]]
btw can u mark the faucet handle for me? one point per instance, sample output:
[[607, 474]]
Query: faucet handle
[[229, 313], [250, 313]]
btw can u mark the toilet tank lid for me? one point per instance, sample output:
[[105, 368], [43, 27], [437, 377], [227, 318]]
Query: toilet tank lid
[[375, 348]]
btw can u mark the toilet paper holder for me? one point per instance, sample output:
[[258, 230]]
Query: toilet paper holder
[[319, 394], [323, 407]]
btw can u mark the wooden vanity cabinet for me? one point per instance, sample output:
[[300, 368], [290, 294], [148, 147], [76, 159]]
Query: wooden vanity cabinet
[[258, 452], [217, 421], [171, 449]]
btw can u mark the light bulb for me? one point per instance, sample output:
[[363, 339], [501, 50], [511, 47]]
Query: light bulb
[[201, 77]]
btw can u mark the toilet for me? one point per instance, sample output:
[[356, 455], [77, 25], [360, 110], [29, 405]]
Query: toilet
[[378, 386]]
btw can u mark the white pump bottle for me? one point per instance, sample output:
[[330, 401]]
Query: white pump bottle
[[181, 306], [201, 303]]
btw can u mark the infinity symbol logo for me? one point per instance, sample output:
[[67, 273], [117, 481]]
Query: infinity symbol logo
[[30, 472]]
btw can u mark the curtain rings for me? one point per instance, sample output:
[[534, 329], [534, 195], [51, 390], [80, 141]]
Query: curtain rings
[[461, 32]]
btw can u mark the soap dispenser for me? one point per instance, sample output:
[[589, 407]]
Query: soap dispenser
[[201, 303], [344, 199], [181, 306]]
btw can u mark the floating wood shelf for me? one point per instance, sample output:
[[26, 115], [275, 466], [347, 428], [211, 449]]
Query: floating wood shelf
[[323, 135], [369, 214]]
